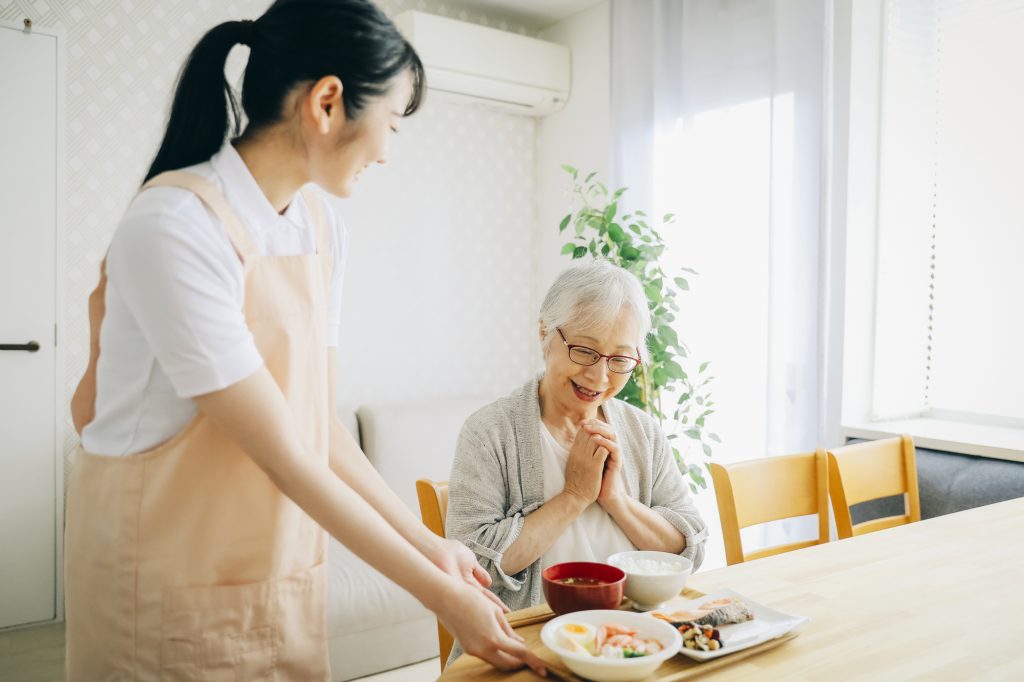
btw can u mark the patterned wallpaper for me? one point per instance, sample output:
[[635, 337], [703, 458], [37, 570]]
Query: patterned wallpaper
[[436, 297]]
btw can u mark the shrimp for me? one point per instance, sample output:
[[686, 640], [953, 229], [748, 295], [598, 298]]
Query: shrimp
[[623, 641]]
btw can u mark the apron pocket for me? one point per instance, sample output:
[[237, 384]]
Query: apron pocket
[[220, 633], [258, 631]]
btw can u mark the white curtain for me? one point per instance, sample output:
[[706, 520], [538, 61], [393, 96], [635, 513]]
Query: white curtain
[[719, 116]]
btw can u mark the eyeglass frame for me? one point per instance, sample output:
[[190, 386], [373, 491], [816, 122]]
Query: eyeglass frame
[[570, 346]]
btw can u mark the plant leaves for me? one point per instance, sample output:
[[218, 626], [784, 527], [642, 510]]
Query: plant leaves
[[565, 223], [570, 170], [617, 234], [653, 291], [673, 369], [609, 212], [714, 437], [568, 248], [579, 252], [682, 283], [629, 252]]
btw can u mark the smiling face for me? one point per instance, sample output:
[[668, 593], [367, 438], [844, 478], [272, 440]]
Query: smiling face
[[577, 388], [350, 145]]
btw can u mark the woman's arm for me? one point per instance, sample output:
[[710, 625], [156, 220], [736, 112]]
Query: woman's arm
[[350, 464], [256, 416], [541, 529], [645, 528], [477, 497]]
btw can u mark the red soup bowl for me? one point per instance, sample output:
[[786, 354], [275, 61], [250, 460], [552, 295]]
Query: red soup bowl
[[582, 586]]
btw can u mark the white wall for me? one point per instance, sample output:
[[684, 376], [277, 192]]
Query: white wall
[[578, 135], [441, 240], [436, 291]]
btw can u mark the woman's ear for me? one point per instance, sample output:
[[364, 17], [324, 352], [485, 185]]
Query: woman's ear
[[324, 105]]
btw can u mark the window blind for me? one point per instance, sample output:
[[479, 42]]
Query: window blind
[[949, 320]]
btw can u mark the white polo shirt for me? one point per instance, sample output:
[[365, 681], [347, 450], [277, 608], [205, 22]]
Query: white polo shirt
[[174, 326]]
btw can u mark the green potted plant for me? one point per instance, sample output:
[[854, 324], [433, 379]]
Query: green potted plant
[[601, 230]]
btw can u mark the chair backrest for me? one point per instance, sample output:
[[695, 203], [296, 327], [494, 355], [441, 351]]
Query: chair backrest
[[433, 497], [868, 471], [769, 489]]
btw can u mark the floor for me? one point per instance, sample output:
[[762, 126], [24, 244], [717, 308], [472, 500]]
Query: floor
[[36, 654]]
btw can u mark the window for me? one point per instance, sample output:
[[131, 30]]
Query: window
[[948, 320]]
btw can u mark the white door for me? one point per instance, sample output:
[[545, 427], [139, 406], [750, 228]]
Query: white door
[[28, 227]]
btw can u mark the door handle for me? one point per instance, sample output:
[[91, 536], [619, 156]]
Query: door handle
[[30, 347]]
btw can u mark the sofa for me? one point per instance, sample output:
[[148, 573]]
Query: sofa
[[948, 482], [372, 624]]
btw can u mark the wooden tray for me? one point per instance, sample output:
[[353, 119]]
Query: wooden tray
[[528, 623]]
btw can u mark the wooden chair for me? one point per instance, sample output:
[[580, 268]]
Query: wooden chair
[[433, 497], [769, 489], [868, 471]]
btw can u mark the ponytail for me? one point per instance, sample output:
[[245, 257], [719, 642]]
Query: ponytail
[[205, 109], [295, 41]]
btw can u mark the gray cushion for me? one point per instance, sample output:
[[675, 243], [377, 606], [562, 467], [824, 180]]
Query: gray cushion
[[948, 482]]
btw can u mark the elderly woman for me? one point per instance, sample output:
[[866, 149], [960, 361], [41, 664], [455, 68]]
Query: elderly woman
[[562, 471]]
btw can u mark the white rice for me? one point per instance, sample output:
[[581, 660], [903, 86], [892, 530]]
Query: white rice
[[648, 566]]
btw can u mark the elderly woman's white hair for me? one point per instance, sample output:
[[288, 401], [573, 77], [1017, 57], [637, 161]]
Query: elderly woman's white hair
[[590, 296]]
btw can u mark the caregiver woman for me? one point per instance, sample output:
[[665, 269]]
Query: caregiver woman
[[212, 461]]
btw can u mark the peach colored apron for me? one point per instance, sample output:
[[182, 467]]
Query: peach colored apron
[[185, 562]]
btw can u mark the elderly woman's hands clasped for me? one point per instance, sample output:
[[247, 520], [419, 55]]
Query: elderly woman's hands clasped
[[592, 470]]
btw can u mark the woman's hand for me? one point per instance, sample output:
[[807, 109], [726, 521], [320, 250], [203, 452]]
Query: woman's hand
[[612, 490], [455, 559], [480, 627], [585, 466]]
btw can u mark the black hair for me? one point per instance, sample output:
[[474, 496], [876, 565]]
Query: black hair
[[295, 41]]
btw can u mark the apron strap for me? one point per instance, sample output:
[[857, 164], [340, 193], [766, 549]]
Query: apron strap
[[83, 402], [314, 204], [210, 195]]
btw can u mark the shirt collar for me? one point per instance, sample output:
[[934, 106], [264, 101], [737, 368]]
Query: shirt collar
[[244, 194]]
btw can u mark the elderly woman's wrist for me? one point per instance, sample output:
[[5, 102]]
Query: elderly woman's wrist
[[574, 502], [616, 506]]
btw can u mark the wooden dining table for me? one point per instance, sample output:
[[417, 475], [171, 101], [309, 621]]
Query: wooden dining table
[[941, 599]]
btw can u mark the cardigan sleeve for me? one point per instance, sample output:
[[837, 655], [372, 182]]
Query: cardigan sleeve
[[671, 498], [478, 514]]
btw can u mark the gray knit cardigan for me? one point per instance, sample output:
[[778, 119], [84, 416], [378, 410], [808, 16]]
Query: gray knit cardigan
[[497, 480]]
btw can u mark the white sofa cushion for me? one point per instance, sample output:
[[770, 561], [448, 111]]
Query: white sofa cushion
[[415, 440], [347, 416], [372, 624]]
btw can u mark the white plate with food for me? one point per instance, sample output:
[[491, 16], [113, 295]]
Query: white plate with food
[[611, 646], [719, 624]]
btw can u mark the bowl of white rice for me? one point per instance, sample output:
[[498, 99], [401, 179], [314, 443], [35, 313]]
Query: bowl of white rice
[[652, 578]]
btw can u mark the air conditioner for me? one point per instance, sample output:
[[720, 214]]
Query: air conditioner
[[487, 66]]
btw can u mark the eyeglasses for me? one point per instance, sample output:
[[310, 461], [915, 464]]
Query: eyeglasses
[[581, 355]]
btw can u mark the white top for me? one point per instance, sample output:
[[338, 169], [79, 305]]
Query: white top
[[594, 535], [174, 326]]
